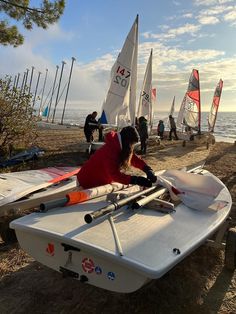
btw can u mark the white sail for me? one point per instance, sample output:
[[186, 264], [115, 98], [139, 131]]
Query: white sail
[[172, 109], [145, 99], [153, 102], [117, 101], [215, 106]]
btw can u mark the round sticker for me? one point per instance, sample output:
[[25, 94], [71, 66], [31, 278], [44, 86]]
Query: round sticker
[[111, 275], [98, 270], [88, 265]]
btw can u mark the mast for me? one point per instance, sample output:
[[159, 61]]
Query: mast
[[58, 90], [68, 86], [53, 89]]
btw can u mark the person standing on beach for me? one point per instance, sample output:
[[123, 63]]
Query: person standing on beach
[[91, 124], [172, 128], [160, 129], [105, 165], [143, 133]]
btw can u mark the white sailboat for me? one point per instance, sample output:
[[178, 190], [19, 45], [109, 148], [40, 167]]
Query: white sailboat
[[119, 105], [215, 106], [145, 108]]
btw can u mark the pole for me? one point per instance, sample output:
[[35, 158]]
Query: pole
[[115, 205], [31, 78], [58, 90], [53, 89], [17, 80], [68, 86], [44, 83], [36, 88], [22, 84], [26, 77]]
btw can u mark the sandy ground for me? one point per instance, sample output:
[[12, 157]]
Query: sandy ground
[[199, 284]]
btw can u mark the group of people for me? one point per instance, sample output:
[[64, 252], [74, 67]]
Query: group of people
[[91, 124], [108, 163]]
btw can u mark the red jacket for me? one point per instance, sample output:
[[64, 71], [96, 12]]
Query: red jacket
[[103, 166]]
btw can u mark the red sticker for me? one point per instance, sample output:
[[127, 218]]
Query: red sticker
[[88, 265], [50, 249]]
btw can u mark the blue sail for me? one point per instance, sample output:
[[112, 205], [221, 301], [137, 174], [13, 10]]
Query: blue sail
[[103, 118], [45, 112]]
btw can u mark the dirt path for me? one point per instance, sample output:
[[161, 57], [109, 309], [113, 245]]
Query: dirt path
[[199, 284]]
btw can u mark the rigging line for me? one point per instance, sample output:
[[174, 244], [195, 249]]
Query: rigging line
[[22, 7]]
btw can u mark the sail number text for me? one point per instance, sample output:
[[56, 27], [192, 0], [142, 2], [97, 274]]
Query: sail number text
[[145, 96], [121, 76]]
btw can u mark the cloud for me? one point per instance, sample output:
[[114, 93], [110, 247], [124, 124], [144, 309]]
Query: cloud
[[208, 20], [174, 32], [231, 16]]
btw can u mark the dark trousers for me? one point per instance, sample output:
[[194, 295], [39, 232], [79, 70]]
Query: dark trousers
[[161, 134], [89, 135], [175, 134], [143, 145]]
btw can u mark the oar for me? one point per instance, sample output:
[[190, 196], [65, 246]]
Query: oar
[[151, 197], [76, 197], [115, 205], [148, 199]]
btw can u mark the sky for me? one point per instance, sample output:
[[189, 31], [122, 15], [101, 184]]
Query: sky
[[183, 34]]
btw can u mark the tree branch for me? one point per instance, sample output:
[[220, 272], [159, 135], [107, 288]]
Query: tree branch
[[21, 6]]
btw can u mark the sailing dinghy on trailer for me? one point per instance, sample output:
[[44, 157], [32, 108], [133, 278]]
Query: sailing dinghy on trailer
[[189, 117], [110, 252], [215, 106]]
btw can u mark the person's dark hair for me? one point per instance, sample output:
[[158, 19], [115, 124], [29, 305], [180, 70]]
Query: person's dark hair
[[129, 136], [94, 113], [170, 116]]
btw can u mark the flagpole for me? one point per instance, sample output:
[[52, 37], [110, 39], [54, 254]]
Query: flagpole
[[53, 90], [58, 90], [44, 83], [36, 88], [68, 86]]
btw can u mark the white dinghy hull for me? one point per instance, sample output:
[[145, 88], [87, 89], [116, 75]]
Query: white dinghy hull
[[119, 252]]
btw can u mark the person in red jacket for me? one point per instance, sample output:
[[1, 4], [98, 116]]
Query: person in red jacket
[[105, 165]]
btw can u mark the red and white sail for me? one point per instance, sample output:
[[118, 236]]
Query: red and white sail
[[215, 106], [190, 110]]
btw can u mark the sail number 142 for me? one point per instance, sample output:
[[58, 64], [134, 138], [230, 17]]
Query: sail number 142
[[121, 76]]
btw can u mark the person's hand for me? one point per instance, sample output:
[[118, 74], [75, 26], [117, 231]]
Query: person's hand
[[150, 174], [141, 181]]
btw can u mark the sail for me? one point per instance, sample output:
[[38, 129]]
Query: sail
[[172, 109], [215, 106], [190, 110], [145, 99], [122, 80], [45, 112], [153, 102]]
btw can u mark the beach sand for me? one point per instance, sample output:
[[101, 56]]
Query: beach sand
[[199, 284]]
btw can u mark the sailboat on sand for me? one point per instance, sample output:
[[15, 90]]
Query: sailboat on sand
[[189, 117], [215, 106]]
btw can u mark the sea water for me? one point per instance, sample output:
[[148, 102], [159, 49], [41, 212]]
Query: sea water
[[225, 127]]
